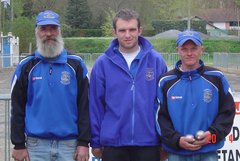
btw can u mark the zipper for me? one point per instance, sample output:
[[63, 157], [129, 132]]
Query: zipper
[[50, 69], [189, 76], [133, 113], [192, 94], [134, 97], [132, 89]]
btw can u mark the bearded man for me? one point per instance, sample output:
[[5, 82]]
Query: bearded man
[[49, 117]]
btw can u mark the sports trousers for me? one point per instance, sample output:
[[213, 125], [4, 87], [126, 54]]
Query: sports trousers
[[131, 153]]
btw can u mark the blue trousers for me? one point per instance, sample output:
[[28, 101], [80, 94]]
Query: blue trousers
[[51, 150], [212, 156]]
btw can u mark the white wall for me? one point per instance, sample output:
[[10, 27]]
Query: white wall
[[220, 25]]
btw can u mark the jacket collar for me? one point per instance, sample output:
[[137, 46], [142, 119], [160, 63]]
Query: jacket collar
[[191, 74], [112, 50]]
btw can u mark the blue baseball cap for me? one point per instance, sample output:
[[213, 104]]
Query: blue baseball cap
[[189, 35], [47, 17]]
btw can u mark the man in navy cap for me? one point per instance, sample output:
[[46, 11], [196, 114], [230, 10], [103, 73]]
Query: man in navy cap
[[196, 110], [49, 117]]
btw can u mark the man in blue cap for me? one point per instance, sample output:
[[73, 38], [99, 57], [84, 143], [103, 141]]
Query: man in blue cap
[[196, 110], [49, 117]]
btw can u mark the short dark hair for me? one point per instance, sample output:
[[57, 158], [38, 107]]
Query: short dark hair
[[126, 14]]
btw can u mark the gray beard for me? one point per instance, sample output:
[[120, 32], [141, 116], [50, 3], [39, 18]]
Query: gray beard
[[50, 50]]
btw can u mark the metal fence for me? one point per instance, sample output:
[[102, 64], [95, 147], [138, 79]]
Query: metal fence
[[170, 58], [226, 60], [5, 146]]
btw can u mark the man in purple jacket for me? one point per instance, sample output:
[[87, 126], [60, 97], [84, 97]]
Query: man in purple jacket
[[123, 95]]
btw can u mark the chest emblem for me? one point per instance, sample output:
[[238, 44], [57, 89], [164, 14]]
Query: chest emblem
[[207, 95], [149, 74], [65, 78]]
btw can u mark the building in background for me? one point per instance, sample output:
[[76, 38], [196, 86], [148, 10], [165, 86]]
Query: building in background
[[9, 50], [225, 19]]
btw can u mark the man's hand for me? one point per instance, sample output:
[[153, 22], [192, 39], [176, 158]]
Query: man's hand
[[163, 154], [97, 152], [20, 155], [188, 143], [203, 139], [82, 153]]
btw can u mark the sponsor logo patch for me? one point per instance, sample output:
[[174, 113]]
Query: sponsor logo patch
[[36, 78], [176, 97]]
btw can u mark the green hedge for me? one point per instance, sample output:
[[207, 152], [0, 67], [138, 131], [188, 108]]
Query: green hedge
[[98, 45], [148, 33], [210, 46], [87, 45], [231, 46], [69, 32]]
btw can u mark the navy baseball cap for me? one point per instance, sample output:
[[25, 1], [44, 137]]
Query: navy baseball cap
[[47, 17], [189, 35]]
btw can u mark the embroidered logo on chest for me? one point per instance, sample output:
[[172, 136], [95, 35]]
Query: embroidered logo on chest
[[65, 78], [207, 95], [149, 74]]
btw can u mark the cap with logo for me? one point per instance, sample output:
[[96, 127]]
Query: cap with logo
[[189, 35], [47, 17]]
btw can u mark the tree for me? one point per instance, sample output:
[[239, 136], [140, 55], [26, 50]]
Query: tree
[[23, 27], [101, 8], [32, 7], [17, 8], [40, 5], [28, 8], [78, 14], [147, 13], [237, 2], [107, 26]]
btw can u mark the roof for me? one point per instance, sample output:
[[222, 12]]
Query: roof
[[219, 15]]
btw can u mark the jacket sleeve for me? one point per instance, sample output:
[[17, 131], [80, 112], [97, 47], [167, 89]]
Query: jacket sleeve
[[169, 135], [223, 123], [83, 106], [97, 105], [18, 102]]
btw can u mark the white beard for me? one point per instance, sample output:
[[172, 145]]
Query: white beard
[[50, 50]]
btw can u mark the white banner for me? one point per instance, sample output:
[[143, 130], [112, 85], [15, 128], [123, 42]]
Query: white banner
[[231, 149]]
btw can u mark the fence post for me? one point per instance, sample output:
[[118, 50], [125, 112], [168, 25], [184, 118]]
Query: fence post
[[7, 100]]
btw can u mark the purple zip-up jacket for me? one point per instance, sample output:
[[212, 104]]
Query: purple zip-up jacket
[[122, 100]]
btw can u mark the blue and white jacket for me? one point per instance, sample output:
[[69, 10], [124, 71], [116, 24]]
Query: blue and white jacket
[[50, 99], [191, 101], [122, 100]]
